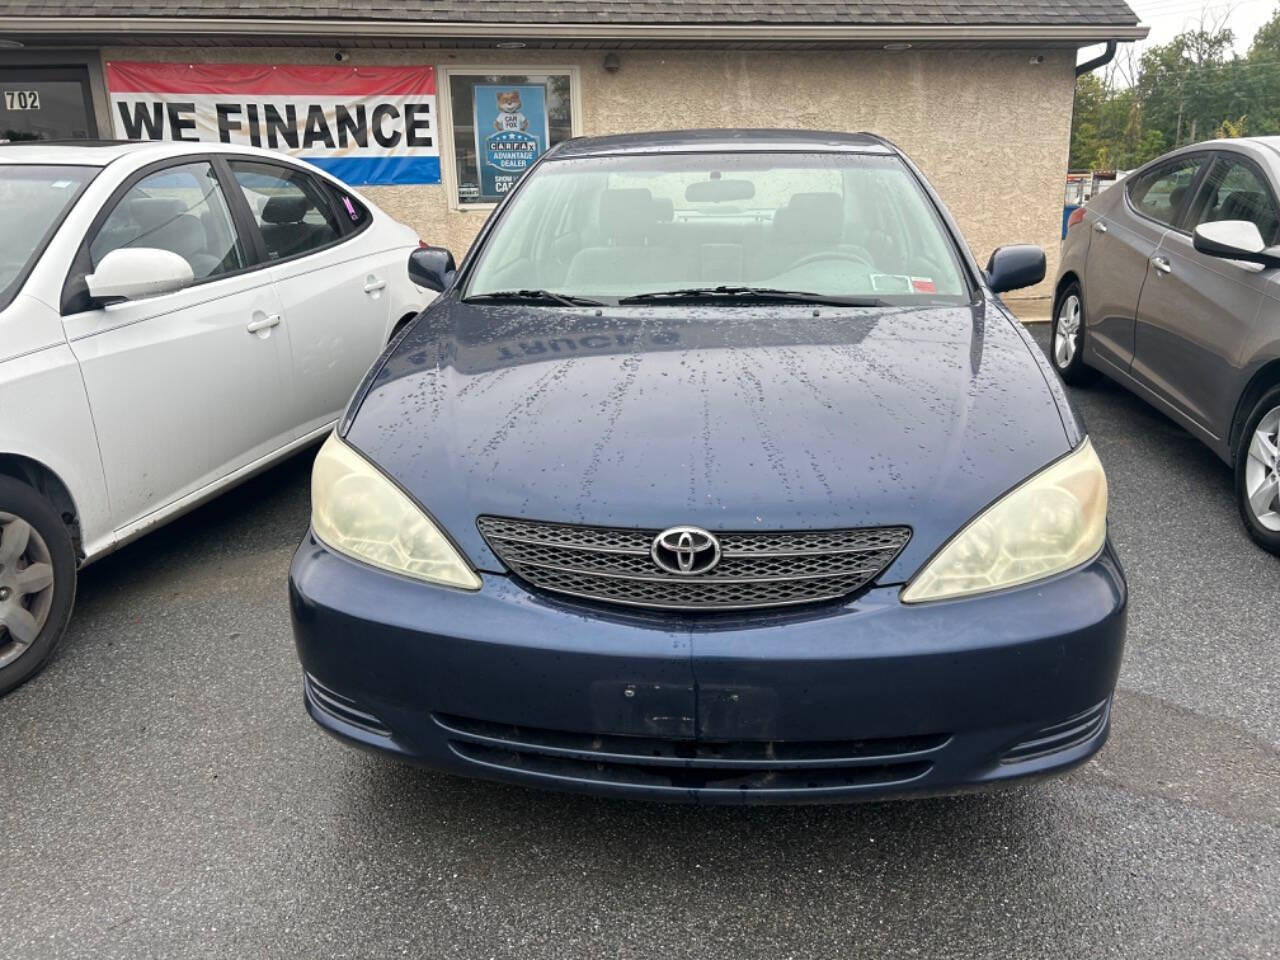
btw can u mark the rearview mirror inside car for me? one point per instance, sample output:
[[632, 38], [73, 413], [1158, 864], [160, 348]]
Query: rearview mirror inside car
[[1235, 240], [719, 191], [1015, 266], [132, 273], [432, 267]]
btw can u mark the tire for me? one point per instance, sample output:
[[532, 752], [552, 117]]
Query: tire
[[1258, 472], [1066, 339], [32, 535]]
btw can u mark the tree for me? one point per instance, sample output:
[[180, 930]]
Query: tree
[[1232, 128], [1180, 92], [1263, 78], [1266, 42]]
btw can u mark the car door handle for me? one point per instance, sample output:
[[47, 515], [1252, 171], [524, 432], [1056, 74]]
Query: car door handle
[[263, 323], [1100, 227], [374, 285], [1162, 264]]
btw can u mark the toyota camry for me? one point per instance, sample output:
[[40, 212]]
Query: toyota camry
[[717, 472]]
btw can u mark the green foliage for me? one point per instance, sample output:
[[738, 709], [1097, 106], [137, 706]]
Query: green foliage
[[1233, 128], [1189, 89], [1266, 42]]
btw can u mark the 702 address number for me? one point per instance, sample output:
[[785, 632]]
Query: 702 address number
[[22, 99]]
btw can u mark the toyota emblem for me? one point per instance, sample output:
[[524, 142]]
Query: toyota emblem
[[686, 551]]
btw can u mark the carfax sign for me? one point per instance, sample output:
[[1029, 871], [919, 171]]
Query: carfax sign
[[511, 133], [365, 125]]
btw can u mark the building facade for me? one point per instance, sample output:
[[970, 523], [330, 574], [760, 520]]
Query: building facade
[[432, 107]]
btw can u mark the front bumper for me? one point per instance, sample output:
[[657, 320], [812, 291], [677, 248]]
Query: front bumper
[[865, 699]]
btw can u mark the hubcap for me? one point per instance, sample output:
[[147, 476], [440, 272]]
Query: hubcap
[[1262, 471], [1066, 334], [26, 586]]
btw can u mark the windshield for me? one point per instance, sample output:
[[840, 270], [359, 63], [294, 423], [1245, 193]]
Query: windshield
[[830, 224], [35, 198]]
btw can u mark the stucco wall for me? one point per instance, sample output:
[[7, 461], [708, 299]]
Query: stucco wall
[[989, 128]]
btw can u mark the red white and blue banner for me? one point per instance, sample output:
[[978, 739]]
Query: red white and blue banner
[[365, 125]]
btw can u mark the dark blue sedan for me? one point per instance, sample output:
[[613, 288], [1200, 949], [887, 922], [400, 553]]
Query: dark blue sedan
[[717, 472]]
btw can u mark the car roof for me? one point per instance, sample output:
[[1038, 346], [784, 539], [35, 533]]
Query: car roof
[[1270, 143], [1267, 146], [1264, 150], [99, 153], [722, 141], [89, 153]]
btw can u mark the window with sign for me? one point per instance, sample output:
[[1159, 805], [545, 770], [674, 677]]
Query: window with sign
[[45, 103], [501, 123]]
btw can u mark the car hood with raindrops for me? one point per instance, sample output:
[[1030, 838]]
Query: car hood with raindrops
[[731, 418]]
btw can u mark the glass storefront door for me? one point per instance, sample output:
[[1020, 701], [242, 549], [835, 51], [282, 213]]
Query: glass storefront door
[[45, 103]]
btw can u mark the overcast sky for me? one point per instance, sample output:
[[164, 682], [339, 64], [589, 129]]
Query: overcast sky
[[1167, 18]]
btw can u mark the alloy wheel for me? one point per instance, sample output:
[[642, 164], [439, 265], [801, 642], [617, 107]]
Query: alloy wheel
[[1262, 471], [26, 586], [1066, 333]]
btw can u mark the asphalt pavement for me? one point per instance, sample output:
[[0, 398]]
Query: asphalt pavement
[[163, 794]]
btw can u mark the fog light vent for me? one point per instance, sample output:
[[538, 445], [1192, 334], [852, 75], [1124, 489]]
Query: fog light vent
[[1062, 735], [342, 708]]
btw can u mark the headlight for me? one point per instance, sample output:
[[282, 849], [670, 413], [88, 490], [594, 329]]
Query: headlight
[[356, 510], [1052, 522]]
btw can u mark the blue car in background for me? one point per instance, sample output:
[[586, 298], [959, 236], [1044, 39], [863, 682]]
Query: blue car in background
[[716, 473]]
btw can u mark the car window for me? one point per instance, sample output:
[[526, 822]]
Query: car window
[[1159, 193], [1234, 191], [291, 208], [180, 209], [349, 208], [37, 197], [832, 224]]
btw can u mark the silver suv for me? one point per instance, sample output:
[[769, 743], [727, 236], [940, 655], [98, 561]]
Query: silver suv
[[1169, 285]]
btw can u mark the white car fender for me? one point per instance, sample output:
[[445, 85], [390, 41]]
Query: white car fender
[[407, 298], [45, 417]]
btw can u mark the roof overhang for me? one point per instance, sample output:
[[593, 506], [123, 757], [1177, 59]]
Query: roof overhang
[[684, 33]]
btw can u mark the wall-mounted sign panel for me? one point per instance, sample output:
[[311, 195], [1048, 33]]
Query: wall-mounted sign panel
[[511, 133], [365, 125]]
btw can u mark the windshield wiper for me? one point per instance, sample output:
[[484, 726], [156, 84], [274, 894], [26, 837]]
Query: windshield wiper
[[515, 296], [754, 293]]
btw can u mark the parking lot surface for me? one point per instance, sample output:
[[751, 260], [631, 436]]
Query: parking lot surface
[[163, 794]]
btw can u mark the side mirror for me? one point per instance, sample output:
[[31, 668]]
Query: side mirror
[[132, 273], [1235, 240], [1016, 266], [433, 268]]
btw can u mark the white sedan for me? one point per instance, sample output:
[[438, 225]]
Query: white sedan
[[173, 318]]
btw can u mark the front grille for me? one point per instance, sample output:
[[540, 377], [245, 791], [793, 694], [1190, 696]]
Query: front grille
[[613, 565], [691, 764]]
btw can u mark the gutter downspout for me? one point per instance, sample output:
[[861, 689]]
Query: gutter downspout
[[1101, 60]]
